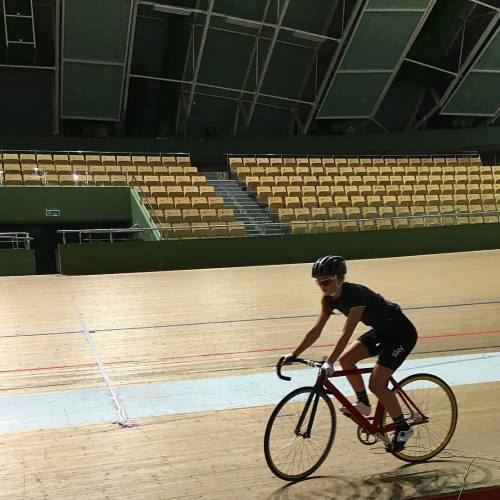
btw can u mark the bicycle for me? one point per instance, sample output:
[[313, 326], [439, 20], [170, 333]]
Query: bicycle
[[301, 429]]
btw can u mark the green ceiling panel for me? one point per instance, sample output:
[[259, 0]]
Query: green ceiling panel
[[398, 4], [91, 91], [300, 15], [374, 54], [478, 93], [95, 35], [286, 70], [96, 30], [353, 95], [380, 40], [225, 59], [490, 59], [236, 8]]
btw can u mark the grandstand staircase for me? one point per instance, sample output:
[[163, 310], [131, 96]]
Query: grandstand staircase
[[246, 209]]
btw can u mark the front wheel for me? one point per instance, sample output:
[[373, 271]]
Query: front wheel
[[435, 400], [299, 434]]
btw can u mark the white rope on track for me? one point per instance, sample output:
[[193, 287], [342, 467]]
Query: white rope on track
[[122, 414]]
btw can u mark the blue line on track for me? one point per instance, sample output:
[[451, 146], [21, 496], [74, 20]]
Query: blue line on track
[[227, 321], [63, 409]]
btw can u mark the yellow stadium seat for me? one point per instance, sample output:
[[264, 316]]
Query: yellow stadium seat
[[383, 224], [369, 212], [358, 201], [165, 203], [316, 227], [182, 202], [319, 213], [349, 226], [337, 191], [333, 227], [181, 230], [208, 215], [292, 202], [342, 201], [302, 214], [387, 201], [219, 229], [402, 211], [118, 180], [286, 214], [295, 180], [199, 202], [280, 191], [309, 201], [298, 228], [145, 170], [325, 201], [226, 214], [336, 213], [215, 202], [200, 230], [174, 191], [191, 215], [417, 222], [401, 223], [191, 191], [351, 191], [266, 181], [173, 215], [242, 173], [294, 191], [353, 213], [236, 229], [52, 180], [263, 193], [275, 202], [154, 160], [287, 171]]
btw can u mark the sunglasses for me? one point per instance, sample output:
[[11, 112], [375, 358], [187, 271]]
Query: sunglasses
[[325, 281]]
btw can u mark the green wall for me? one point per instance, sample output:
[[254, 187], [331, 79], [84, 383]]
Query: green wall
[[20, 205], [229, 252], [18, 262], [140, 217], [214, 150]]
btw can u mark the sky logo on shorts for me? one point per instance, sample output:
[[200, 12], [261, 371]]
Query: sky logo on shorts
[[398, 351]]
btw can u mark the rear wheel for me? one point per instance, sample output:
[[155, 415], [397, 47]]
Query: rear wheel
[[299, 434], [436, 401]]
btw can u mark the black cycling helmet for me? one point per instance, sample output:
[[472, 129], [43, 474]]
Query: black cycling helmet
[[331, 265]]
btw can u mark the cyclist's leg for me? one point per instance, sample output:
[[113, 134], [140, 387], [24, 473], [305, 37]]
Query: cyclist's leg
[[394, 350], [379, 381], [348, 359]]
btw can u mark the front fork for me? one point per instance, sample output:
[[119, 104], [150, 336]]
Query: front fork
[[307, 433]]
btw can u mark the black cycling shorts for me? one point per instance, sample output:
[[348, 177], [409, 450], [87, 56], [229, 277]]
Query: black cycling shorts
[[392, 343]]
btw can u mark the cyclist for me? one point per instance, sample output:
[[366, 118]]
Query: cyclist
[[392, 337]]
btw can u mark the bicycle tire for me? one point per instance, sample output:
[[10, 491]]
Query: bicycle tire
[[330, 418], [413, 451]]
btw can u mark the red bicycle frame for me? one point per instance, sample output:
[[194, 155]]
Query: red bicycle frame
[[375, 425]]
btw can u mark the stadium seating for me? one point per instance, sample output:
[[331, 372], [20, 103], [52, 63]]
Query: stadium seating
[[177, 197], [364, 193]]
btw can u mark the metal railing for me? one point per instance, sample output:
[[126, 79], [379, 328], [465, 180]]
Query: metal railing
[[16, 240], [199, 230], [111, 235]]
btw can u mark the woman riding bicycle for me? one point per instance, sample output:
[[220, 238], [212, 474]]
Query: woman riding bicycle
[[392, 338]]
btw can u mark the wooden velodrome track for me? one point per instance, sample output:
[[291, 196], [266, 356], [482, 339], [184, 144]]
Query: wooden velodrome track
[[192, 325]]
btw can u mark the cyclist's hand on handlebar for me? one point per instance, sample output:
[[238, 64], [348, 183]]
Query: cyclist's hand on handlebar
[[287, 359], [327, 369]]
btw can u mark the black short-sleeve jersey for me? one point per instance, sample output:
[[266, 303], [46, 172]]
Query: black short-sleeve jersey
[[378, 311]]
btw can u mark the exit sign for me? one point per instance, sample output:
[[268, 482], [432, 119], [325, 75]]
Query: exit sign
[[52, 213]]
